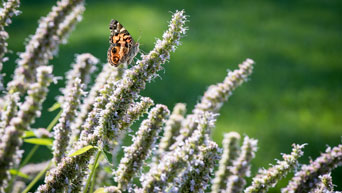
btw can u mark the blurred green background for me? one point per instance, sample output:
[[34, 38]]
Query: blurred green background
[[293, 96]]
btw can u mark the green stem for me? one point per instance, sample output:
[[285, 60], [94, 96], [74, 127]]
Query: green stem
[[29, 156], [35, 180], [91, 189], [92, 171]]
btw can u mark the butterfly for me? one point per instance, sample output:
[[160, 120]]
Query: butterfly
[[122, 47]]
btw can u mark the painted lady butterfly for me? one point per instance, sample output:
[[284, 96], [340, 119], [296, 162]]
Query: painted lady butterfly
[[122, 47]]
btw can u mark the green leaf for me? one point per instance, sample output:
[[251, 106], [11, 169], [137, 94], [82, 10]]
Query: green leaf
[[108, 155], [100, 190], [54, 107], [29, 133], [82, 150], [18, 173], [39, 141]]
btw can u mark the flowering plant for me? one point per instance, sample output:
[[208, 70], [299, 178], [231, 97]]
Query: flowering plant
[[91, 125]]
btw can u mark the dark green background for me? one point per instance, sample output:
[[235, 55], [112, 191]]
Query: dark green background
[[293, 96]]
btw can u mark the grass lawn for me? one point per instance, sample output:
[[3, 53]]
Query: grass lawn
[[293, 96]]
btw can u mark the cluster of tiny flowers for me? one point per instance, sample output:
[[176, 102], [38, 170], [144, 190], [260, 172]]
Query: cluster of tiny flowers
[[9, 8], [197, 176], [9, 111], [161, 53], [42, 46], [175, 161], [9, 108], [308, 177], [269, 178], [93, 129], [94, 109], [29, 110], [241, 166], [142, 145], [126, 91], [84, 66], [62, 129], [135, 111], [231, 150], [6, 12], [171, 130], [103, 121], [69, 23], [108, 73], [69, 169], [325, 185], [216, 95]]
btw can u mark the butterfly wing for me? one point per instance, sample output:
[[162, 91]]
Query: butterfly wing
[[122, 46]]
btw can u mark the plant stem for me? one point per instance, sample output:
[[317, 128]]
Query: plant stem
[[91, 189], [92, 171]]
